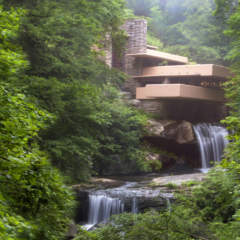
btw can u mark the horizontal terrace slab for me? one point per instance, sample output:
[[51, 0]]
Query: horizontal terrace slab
[[179, 91], [198, 70], [161, 56]]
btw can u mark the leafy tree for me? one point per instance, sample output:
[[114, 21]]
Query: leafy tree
[[230, 11], [187, 28], [12, 59], [67, 78], [32, 193], [142, 7], [174, 225], [119, 137]]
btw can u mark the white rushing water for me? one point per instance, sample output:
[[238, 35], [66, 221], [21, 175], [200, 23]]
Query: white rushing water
[[134, 208], [107, 202], [212, 141], [101, 207]]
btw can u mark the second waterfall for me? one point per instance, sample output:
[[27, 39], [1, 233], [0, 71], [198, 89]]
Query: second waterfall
[[211, 140]]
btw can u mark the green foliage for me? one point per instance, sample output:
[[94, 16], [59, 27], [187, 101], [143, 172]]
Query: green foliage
[[92, 130], [186, 28], [230, 11], [141, 7], [12, 60], [216, 197], [172, 225], [119, 137], [58, 36], [151, 40], [155, 157], [97, 132], [190, 183], [171, 186], [32, 193], [31, 189]]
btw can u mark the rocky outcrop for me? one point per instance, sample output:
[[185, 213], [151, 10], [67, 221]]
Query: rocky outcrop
[[179, 131], [145, 203], [135, 195]]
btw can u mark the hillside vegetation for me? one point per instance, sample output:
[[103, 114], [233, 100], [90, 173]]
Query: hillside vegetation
[[63, 119]]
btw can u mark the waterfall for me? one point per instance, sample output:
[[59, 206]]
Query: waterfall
[[212, 141], [105, 202], [101, 207], [134, 205]]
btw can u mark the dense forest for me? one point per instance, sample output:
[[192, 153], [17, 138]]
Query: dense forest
[[185, 27], [63, 119]]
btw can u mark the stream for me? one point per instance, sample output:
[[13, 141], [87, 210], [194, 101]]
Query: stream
[[132, 197], [211, 141], [137, 196]]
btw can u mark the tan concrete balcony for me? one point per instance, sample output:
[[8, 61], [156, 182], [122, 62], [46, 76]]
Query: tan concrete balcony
[[150, 53], [198, 70], [179, 91]]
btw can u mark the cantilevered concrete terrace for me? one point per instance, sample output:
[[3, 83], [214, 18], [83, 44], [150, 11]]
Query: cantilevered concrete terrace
[[198, 70], [153, 54], [179, 91]]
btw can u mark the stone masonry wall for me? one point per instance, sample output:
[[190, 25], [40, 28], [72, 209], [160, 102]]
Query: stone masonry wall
[[192, 111], [136, 30], [137, 35]]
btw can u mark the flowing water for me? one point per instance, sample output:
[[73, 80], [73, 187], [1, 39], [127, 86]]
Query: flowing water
[[134, 208], [107, 202], [104, 203], [101, 207], [212, 141]]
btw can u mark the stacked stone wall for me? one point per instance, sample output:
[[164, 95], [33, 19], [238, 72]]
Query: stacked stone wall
[[192, 111], [137, 35], [136, 30]]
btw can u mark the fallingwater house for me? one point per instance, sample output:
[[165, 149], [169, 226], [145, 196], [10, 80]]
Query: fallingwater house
[[185, 100], [178, 94]]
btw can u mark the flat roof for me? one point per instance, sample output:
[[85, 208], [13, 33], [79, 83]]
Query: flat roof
[[197, 70], [150, 53], [179, 91]]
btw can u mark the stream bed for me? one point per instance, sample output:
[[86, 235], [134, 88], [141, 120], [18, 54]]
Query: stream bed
[[151, 191]]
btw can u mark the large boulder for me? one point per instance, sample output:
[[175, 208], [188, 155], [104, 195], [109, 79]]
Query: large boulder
[[179, 131]]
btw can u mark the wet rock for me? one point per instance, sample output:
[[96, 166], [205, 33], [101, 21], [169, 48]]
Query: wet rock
[[99, 183], [72, 231], [178, 179], [145, 203], [81, 215], [151, 191], [181, 132], [155, 128]]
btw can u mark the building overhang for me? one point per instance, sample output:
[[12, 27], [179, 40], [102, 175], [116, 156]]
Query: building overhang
[[153, 54], [179, 91], [198, 70]]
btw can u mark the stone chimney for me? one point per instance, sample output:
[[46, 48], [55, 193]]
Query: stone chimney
[[137, 35], [136, 30]]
